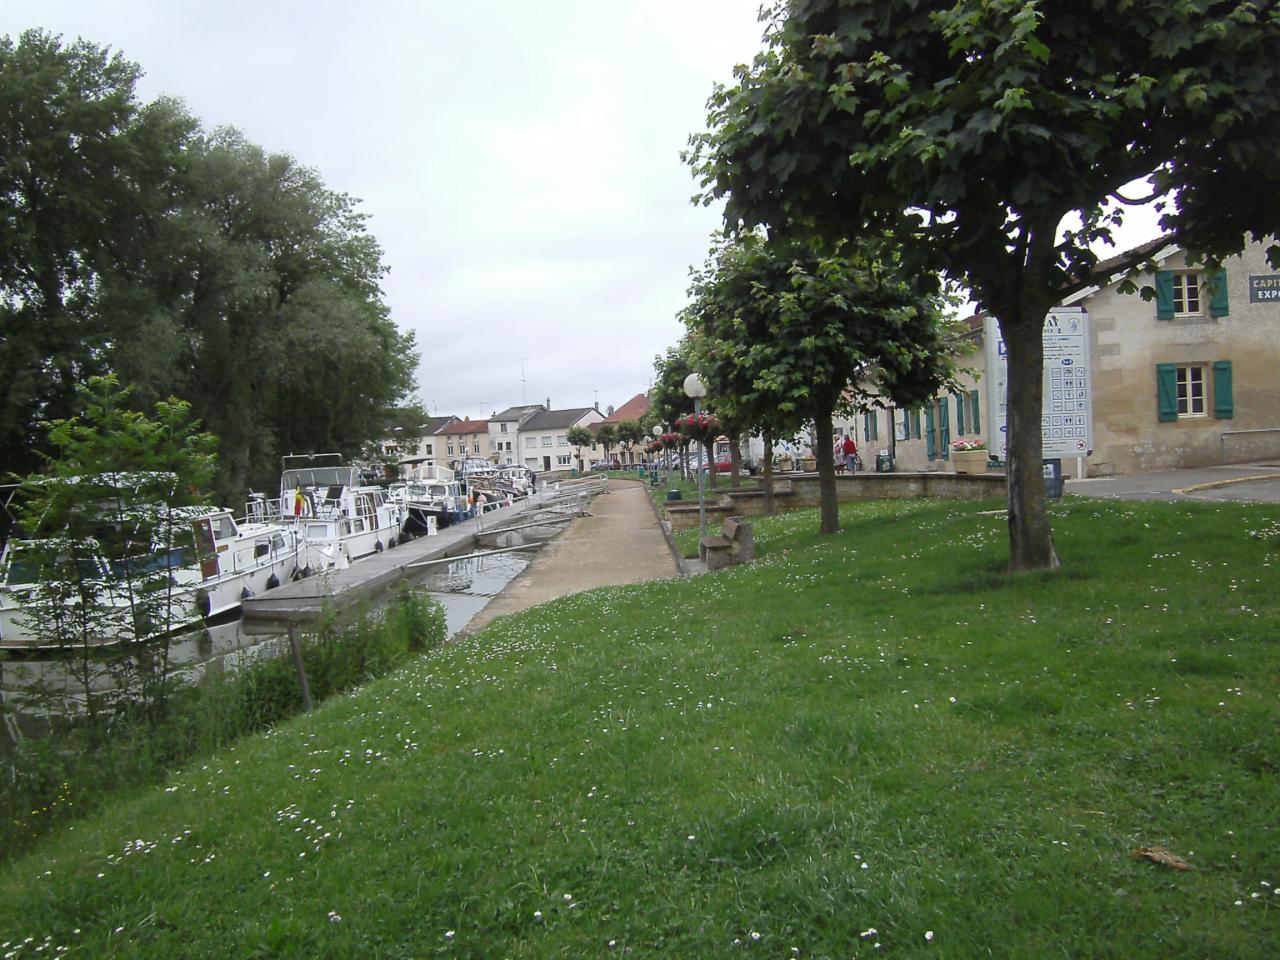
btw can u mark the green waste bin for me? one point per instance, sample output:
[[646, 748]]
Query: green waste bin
[[573, 472], [673, 495]]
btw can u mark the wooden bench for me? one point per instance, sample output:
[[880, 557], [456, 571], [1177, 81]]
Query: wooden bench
[[737, 544]]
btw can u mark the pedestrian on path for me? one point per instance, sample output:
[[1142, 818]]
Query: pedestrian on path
[[850, 450]]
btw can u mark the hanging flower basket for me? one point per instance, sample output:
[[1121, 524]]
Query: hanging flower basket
[[700, 427]]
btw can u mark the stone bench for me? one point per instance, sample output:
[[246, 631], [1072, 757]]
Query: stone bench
[[737, 544]]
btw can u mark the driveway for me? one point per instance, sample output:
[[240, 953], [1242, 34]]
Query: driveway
[[1248, 482]]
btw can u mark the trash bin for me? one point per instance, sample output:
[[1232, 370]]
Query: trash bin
[[653, 478], [642, 470], [884, 463], [673, 495], [1053, 479], [573, 472]]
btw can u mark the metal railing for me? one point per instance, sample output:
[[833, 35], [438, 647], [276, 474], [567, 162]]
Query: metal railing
[[1222, 438]]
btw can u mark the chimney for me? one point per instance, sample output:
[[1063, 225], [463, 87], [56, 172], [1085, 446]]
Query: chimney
[[548, 403]]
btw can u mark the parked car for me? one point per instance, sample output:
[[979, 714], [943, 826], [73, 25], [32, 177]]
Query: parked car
[[602, 465], [723, 463]]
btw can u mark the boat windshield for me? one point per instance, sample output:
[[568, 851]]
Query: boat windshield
[[25, 570], [319, 477], [150, 563]]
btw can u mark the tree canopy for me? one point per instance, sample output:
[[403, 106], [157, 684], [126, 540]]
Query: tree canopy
[[188, 263], [787, 335], [994, 138]]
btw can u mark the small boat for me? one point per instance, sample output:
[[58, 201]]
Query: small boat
[[432, 502], [341, 518], [516, 479], [228, 561]]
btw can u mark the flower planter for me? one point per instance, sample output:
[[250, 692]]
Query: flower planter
[[808, 465], [969, 461]]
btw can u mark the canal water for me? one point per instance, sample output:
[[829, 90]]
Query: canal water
[[463, 587]]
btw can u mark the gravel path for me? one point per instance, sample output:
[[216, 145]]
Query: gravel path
[[619, 542]]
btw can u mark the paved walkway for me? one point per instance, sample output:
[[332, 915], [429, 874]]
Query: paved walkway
[[619, 542], [1251, 482]]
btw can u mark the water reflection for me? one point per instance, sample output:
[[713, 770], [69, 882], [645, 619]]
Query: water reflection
[[462, 587]]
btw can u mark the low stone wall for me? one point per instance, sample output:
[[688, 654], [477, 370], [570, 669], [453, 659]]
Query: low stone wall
[[795, 490]]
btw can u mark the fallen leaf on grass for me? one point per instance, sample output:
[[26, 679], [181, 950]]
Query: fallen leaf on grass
[[1162, 856]]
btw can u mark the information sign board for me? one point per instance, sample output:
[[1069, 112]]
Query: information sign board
[[1264, 288], [1067, 411]]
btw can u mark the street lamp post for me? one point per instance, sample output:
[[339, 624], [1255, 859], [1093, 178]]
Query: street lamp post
[[657, 436], [696, 390]]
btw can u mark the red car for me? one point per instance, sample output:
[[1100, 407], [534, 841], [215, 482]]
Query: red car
[[723, 463]]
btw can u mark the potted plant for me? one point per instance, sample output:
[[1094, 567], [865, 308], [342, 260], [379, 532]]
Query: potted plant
[[969, 456]]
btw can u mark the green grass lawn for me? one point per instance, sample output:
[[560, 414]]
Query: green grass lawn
[[873, 744]]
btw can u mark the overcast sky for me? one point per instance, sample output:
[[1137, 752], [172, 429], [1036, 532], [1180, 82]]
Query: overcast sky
[[519, 160]]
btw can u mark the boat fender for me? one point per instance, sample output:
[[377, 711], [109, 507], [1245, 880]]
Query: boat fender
[[377, 546], [272, 582], [203, 604], [245, 593], [391, 542]]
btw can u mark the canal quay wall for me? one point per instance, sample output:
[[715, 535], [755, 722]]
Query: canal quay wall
[[797, 490], [306, 600]]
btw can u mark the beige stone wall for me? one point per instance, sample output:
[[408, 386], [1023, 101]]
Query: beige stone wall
[[802, 491], [1127, 342]]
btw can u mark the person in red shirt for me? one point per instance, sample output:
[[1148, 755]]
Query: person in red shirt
[[850, 450]]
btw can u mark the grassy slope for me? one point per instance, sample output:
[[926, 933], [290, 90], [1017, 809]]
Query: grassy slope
[[872, 731]]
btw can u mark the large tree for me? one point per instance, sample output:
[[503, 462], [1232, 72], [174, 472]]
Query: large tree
[[189, 264], [787, 335], [79, 160], [994, 138]]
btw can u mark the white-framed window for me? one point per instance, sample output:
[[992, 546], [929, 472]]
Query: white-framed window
[[546, 441], [476, 447], [564, 461], [430, 453], [562, 440], [1191, 393], [1186, 294], [530, 441], [451, 449], [502, 428]]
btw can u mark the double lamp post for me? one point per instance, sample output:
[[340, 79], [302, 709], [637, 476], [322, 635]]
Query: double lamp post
[[696, 390]]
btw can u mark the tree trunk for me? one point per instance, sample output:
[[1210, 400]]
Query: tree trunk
[[709, 463], [822, 431], [1030, 534], [768, 473], [735, 462]]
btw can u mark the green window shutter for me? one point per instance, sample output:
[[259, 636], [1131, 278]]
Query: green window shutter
[[915, 424], [1164, 295], [866, 427], [875, 425], [976, 426], [1218, 306], [944, 417], [930, 435], [959, 414], [1223, 405], [1167, 391]]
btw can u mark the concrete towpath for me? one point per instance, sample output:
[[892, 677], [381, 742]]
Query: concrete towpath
[[619, 541]]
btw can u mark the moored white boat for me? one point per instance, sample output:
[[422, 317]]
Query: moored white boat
[[228, 561], [340, 518]]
